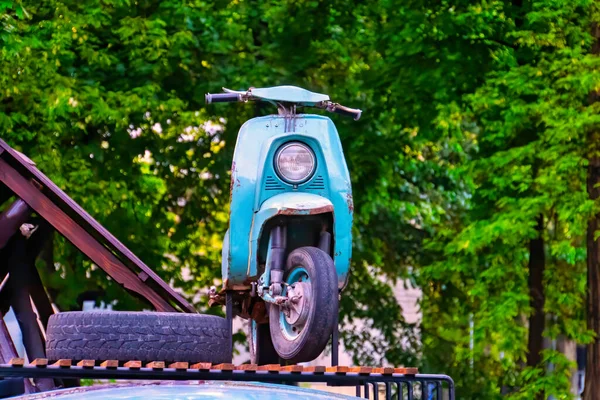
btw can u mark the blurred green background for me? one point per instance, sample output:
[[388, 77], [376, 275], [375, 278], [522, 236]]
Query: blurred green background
[[470, 166]]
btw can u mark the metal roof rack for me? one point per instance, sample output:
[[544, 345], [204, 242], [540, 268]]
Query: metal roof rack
[[370, 383]]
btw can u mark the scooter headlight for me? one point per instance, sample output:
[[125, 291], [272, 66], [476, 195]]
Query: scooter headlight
[[295, 162]]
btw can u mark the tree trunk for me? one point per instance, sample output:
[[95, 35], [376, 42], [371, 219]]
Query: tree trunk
[[569, 349], [592, 367], [537, 319]]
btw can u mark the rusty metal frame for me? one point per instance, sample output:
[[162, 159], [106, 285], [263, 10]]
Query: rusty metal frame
[[20, 284], [78, 236], [19, 175], [335, 343], [229, 317]]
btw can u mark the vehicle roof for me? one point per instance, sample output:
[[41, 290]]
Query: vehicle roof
[[203, 390]]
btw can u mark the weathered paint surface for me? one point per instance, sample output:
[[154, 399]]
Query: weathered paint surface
[[254, 182], [200, 391]]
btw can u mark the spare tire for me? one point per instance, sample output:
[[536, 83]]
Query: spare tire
[[143, 336]]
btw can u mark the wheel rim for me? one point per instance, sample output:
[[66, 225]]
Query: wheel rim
[[293, 331]]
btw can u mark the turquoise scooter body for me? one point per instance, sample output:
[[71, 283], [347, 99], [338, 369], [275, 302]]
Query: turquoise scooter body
[[290, 195]]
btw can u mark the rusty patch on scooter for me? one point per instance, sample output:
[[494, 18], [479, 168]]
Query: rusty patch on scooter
[[309, 211], [232, 179], [350, 202]]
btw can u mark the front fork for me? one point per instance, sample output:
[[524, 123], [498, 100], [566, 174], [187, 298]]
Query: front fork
[[270, 283]]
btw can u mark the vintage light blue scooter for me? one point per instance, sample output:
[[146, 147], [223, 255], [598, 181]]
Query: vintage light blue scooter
[[287, 252]]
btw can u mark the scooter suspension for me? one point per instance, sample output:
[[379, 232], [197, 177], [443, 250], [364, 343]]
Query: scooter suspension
[[278, 245]]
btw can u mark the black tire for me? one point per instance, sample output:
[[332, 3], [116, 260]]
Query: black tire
[[323, 310], [261, 347], [143, 336]]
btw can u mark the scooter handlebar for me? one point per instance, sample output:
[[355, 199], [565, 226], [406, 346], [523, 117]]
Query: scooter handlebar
[[223, 98], [343, 110], [239, 97]]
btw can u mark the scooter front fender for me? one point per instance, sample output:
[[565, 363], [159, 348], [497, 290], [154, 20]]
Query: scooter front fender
[[282, 204], [289, 204], [286, 204]]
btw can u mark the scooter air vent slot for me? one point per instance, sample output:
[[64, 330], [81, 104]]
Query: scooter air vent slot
[[271, 184], [317, 184]]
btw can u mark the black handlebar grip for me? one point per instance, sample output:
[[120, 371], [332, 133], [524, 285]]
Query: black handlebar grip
[[347, 111], [223, 98]]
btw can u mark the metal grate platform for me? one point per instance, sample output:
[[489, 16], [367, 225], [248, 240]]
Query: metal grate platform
[[369, 382]]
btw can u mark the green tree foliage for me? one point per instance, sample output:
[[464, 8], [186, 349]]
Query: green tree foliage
[[476, 129], [530, 121]]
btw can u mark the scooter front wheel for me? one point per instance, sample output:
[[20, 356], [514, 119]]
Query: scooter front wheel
[[260, 344], [301, 328]]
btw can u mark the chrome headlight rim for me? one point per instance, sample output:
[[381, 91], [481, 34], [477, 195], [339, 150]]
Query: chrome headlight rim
[[309, 151]]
